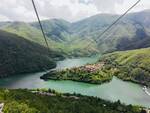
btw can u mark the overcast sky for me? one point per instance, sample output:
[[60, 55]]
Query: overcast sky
[[71, 10]]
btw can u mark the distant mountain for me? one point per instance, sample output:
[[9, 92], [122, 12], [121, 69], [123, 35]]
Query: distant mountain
[[132, 32], [56, 29], [142, 17], [18, 55], [63, 42], [25, 30], [129, 33]]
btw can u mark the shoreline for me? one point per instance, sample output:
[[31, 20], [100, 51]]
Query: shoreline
[[81, 81], [24, 73], [134, 81], [93, 82]]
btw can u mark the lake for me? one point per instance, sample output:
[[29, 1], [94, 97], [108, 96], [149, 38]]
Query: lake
[[126, 92]]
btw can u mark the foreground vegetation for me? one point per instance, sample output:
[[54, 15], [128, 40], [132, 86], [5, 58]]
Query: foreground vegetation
[[127, 65], [24, 101], [18, 55]]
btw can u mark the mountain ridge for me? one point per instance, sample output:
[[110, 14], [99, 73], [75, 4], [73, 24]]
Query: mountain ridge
[[72, 38]]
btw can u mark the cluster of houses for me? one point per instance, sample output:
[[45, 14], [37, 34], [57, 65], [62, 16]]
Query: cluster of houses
[[1, 107], [93, 67]]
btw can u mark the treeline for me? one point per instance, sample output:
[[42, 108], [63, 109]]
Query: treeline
[[24, 101]]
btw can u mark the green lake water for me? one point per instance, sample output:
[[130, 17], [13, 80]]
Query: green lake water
[[126, 92]]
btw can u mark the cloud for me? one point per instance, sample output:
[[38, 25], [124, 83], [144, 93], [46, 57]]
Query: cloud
[[15, 10], [4, 18], [107, 6], [71, 10], [85, 1]]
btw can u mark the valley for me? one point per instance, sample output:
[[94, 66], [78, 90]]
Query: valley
[[80, 64]]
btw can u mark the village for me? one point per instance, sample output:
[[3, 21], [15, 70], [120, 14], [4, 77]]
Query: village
[[92, 67]]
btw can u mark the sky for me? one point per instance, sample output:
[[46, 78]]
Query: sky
[[70, 10]]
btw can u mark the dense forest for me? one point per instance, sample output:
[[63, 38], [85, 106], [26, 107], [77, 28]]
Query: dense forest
[[25, 101], [18, 55]]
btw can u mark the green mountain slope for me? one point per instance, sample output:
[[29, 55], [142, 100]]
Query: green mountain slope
[[18, 55], [56, 29], [30, 31], [59, 31], [24, 30], [132, 32], [131, 65]]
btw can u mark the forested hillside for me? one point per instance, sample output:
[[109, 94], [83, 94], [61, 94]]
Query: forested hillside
[[18, 55], [132, 32]]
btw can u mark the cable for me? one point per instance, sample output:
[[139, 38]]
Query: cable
[[42, 30], [98, 37], [109, 27]]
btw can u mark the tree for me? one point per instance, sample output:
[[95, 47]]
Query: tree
[[14, 107]]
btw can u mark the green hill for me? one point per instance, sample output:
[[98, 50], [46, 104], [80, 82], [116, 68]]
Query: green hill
[[129, 33], [61, 43], [132, 32], [24, 30], [56, 29], [130, 65], [18, 55]]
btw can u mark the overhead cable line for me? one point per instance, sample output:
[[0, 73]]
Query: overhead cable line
[[110, 26], [42, 30], [95, 39]]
